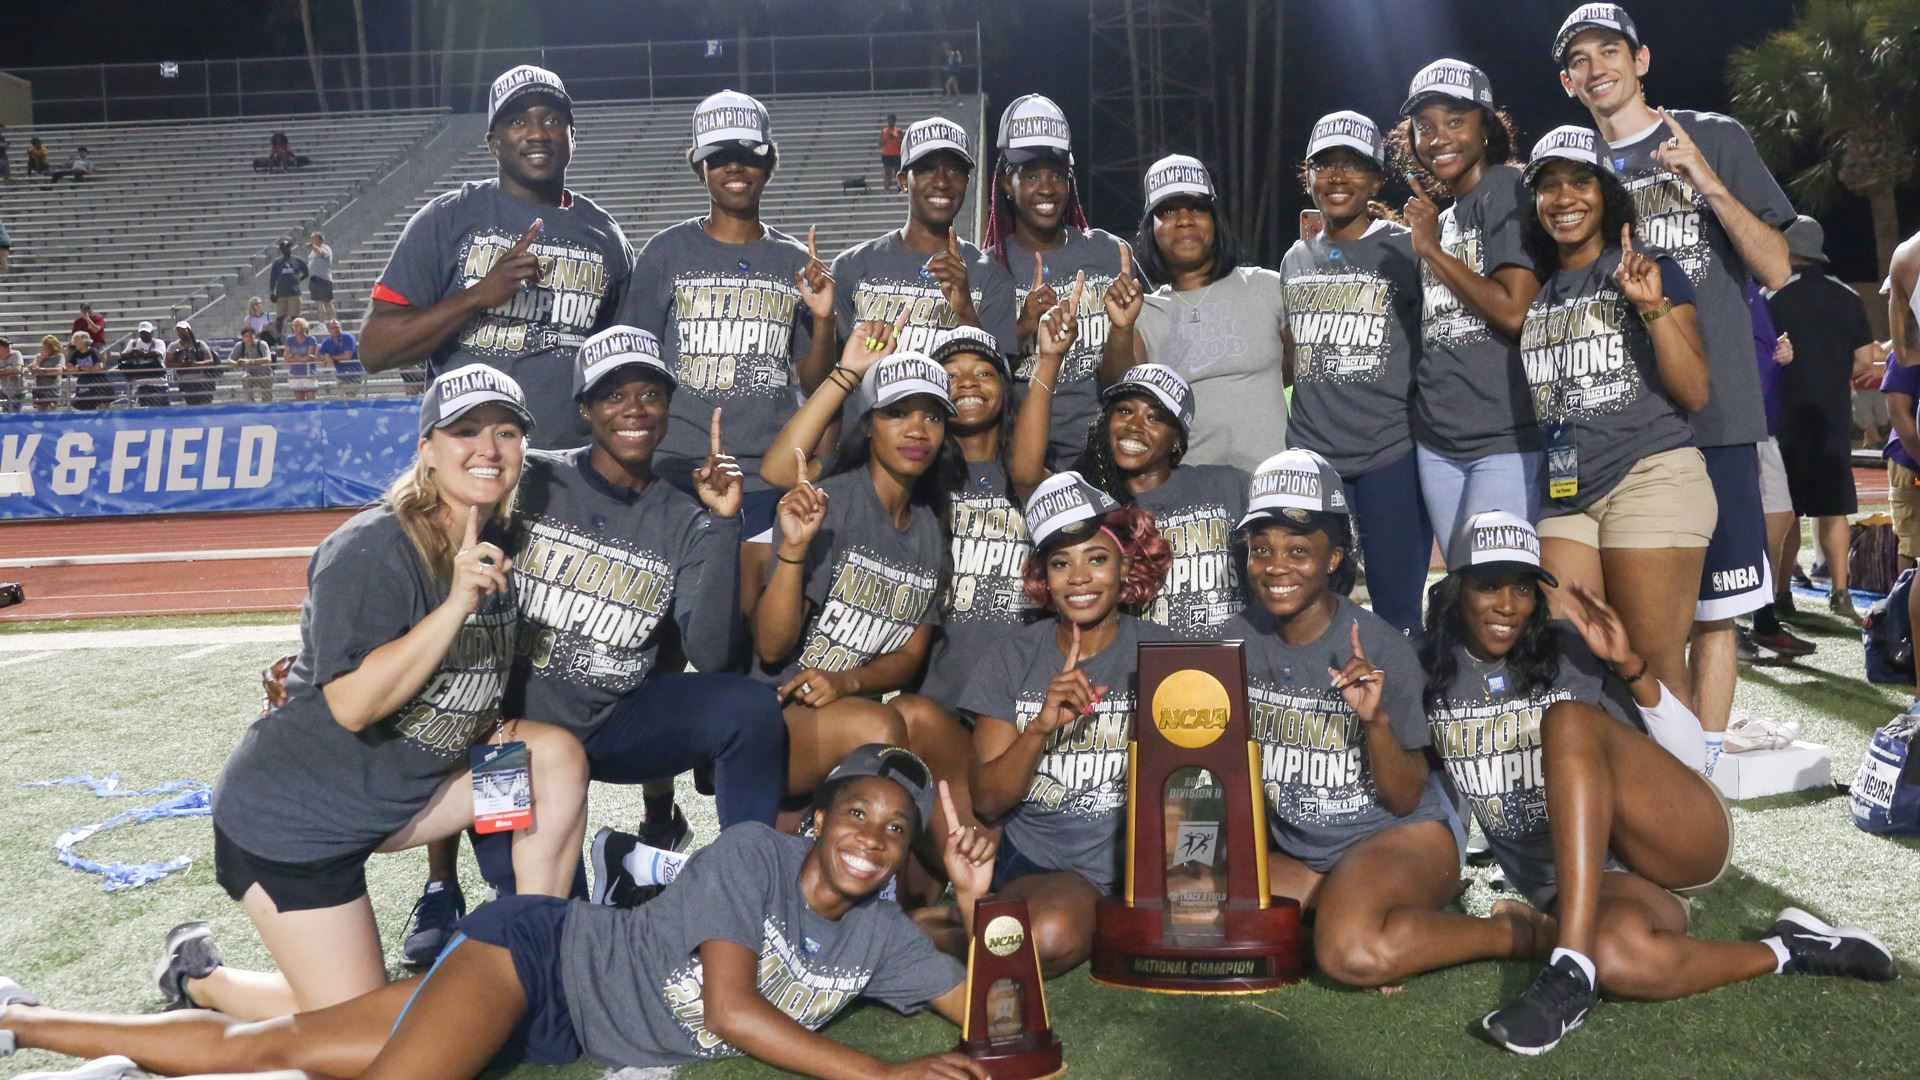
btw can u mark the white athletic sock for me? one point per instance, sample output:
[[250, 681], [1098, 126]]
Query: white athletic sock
[[1780, 954], [7, 1046], [1580, 960], [653, 866], [1716, 742]]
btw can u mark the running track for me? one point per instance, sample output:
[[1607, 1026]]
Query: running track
[[199, 564]]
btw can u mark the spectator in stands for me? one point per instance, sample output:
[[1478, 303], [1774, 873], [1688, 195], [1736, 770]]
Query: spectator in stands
[[12, 386], [197, 364], [94, 387], [320, 275], [343, 353], [280, 155], [254, 358], [302, 354], [78, 167], [36, 157], [1832, 344], [143, 368], [45, 370], [951, 70], [6, 250], [890, 136], [6, 166], [283, 284], [261, 322], [94, 326], [461, 289]]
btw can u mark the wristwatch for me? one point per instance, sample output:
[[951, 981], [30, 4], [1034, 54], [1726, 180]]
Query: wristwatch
[[1650, 315]]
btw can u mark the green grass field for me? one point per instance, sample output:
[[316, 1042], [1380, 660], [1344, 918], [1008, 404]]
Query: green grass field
[[158, 713]]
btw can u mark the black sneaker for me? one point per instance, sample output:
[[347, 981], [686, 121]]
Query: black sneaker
[[673, 834], [190, 954], [1815, 948], [431, 926], [1545, 1012], [612, 885]]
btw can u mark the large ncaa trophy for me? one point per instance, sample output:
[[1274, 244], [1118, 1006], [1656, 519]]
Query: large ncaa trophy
[[1007, 1029], [1196, 915]]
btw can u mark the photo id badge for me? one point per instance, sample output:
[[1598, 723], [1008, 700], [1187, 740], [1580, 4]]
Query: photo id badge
[[502, 787], [1563, 462]]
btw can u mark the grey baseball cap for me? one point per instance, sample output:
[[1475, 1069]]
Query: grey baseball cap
[[1567, 142], [453, 394], [1495, 543], [1293, 485], [1061, 502], [729, 119], [1594, 17], [1806, 239], [1032, 126], [612, 349], [521, 82], [1350, 129], [1176, 175], [932, 135], [894, 763], [971, 339], [901, 376], [1453, 79], [1161, 383]]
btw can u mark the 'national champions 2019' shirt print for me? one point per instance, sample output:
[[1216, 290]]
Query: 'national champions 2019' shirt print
[[882, 279], [870, 583], [1076, 399], [984, 597], [1320, 793], [1196, 509], [1591, 367], [732, 324], [1353, 308], [453, 241], [1675, 217]]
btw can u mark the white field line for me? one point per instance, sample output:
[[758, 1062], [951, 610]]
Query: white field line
[[204, 651], [69, 640], [10, 661], [33, 561]]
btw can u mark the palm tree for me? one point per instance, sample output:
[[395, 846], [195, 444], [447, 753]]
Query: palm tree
[[1842, 84]]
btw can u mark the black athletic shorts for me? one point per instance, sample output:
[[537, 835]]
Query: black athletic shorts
[[320, 289], [291, 886], [1819, 473]]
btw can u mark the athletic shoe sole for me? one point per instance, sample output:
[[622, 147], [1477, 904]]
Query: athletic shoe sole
[[1812, 924], [602, 873], [1527, 1051], [172, 986], [106, 1068]]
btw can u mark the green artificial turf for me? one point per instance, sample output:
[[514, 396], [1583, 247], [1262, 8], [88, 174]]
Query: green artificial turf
[[153, 717]]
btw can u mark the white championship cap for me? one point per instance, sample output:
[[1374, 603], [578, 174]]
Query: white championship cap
[[1349, 129], [1495, 543], [730, 118], [1062, 501], [901, 376], [1565, 143], [612, 349], [1176, 175], [1293, 484], [1034, 127]]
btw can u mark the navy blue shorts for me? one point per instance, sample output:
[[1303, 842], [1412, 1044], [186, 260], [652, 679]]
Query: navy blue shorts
[[528, 927], [1736, 579], [1009, 864]]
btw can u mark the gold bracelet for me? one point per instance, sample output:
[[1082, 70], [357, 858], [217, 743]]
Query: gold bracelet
[[1037, 381], [1648, 317]]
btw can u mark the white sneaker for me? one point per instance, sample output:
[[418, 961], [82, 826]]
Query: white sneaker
[[106, 1068], [1746, 732]]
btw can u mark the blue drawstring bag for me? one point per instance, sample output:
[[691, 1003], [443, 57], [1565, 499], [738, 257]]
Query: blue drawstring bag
[[1885, 795], [1888, 636]]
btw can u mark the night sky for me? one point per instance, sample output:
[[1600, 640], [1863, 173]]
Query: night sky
[[1353, 54]]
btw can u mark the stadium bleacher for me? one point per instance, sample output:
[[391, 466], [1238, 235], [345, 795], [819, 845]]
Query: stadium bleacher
[[174, 210]]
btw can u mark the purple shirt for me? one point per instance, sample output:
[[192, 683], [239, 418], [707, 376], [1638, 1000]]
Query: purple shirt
[[1763, 338], [1900, 380]]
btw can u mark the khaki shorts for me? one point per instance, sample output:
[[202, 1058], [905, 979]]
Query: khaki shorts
[[1666, 501], [1775, 496], [1905, 498]]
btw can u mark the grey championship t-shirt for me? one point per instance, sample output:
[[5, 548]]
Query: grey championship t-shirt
[[1224, 339], [454, 240], [983, 599], [1196, 511], [732, 325], [1354, 309], [1076, 396], [1676, 218], [595, 570], [300, 788], [1070, 818], [636, 986], [869, 582], [1591, 365], [1473, 398], [1321, 799], [1488, 735]]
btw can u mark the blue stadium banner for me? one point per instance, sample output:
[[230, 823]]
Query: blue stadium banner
[[285, 456]]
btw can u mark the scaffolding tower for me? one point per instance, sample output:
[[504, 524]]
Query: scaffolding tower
[[1150, 87]]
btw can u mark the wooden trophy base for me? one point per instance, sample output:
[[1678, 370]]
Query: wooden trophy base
[[1019, 1060], [1261, 949]]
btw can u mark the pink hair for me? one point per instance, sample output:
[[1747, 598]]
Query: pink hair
[[1147, 553]]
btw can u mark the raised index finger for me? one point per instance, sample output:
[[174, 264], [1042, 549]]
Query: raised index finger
[[526, 238], [1419, 190], [713, 434], [473, 529], [813, 248], [1626, 238], [800, 460], [1126, 258], [1678, 131], [1079, 287], [953, 241], [1039, 272], [1359, 653], [946, 803], [1073, 655]]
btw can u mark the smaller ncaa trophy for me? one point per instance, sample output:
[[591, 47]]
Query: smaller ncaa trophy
[[1196, 915], [1006, 1028]]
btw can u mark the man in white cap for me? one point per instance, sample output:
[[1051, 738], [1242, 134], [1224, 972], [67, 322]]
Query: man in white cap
[[1704, 196], [513, 272], [923, 270], [1038, 231], [143, 365], [196, 364], [743, 311], [1832, 346]]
